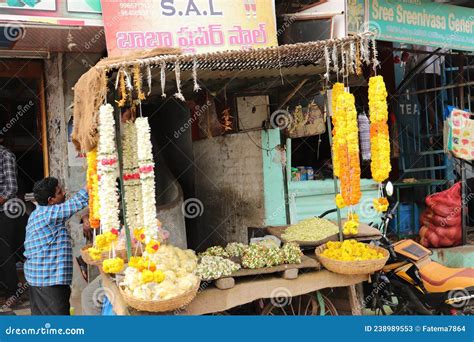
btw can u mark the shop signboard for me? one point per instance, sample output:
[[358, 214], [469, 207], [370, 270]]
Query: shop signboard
[[68, 13], [191, 25], [422, 22]]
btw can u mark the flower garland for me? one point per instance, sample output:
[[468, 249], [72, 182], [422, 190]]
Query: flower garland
[[93, 189], [337, 90], [108, 169], [131, 178], [346, 150], [147, 178], [379, 137], [137, 79]]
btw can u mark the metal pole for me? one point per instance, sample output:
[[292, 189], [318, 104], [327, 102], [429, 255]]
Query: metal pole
[[336, 188]]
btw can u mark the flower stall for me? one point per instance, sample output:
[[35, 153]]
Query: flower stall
[[137, 263]]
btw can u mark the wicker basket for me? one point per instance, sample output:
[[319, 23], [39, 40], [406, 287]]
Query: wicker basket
[[352, 267], [161, 305], [87, 258]]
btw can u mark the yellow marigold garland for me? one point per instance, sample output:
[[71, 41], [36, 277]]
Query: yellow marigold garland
[[379, 136], [337, 90], [93, 189]]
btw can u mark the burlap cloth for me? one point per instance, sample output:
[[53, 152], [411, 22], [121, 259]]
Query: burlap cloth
[[90, 92]]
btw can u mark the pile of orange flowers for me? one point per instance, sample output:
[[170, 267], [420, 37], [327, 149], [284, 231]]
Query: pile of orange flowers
[[346, 142], [93, 189]]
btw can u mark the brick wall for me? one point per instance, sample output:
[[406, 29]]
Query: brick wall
[[229, 183]]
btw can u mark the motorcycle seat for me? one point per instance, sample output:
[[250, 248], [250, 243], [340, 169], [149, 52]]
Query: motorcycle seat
[[439, 278]]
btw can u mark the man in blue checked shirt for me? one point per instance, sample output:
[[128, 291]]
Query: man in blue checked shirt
[[48, 249]]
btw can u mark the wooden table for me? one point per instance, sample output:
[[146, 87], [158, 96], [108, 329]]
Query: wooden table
[[211, 299]]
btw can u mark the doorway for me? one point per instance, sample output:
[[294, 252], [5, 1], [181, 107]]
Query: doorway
[[23, 119]]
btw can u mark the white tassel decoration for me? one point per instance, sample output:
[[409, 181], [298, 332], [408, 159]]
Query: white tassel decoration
[[328, 62], [196, 85], [163, 79], [148, 78], [177, 72]]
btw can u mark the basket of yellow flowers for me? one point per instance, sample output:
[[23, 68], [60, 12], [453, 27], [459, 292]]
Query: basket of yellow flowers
[[351, 257]]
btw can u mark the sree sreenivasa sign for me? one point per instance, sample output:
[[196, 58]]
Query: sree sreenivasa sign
[[192, 25], [423, 22]]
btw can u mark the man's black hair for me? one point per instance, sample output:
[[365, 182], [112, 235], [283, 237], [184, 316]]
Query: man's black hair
[[45, 189]]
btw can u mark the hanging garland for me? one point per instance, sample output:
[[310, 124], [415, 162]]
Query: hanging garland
[[137, 80], [379, 137], [147, 178], [131, 178], [346, 142], [337, 90], [93, 189], [108, 171]]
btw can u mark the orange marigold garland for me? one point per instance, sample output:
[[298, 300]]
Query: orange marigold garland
[[346, 143], [93, 189], [379, 137]]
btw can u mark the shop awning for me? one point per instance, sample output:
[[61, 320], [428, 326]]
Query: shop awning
[[285, 61]]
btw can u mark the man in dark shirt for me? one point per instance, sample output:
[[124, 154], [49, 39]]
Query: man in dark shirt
[[8, 190]]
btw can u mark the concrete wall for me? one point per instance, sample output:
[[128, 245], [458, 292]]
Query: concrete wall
[[62, 71], [229, 183]]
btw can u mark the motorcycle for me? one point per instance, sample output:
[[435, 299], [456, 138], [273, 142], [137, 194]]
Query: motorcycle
[[412, 284]]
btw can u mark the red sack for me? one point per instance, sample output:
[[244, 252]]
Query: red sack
[[442, 202], [429, 218], [440, 237]]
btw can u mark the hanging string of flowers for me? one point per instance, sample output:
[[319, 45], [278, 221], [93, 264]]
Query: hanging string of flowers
[[122, 89], [147, 178], [337, 90], [379, 137], [137, 80], [346, 140], [131, 177], [108, 171], [93, 189]]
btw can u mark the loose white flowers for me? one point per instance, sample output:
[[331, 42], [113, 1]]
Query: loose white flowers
[[107, 169], [215, 267]]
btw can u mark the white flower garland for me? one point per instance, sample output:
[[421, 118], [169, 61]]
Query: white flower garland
[[107, 169], [132, 184], [147, 178]]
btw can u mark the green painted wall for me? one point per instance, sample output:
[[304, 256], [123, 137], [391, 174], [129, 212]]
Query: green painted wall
[[273, 179]]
